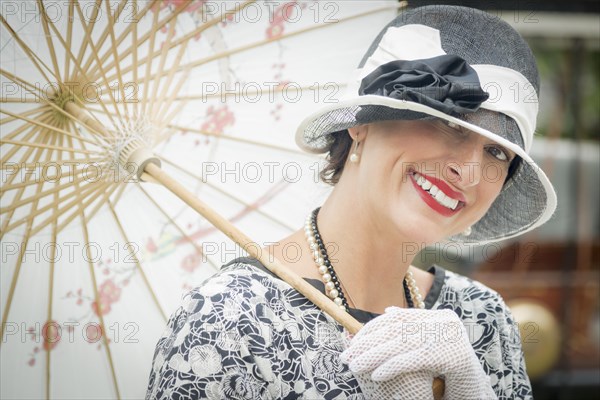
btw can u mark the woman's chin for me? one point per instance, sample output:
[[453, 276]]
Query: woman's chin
[[417, 229]]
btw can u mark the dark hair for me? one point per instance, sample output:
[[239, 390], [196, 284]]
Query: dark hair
[[336, 157], [340, 148]]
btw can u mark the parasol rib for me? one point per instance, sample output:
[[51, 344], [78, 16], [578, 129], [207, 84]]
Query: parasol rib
[[59, 228], [14, 149], [245, 92], [257, 93], [165, 105], [69, 38], [49, 41], [227, 194], [40, 194], [44, 117], [151, 54], [97, 300], [52, 128], [88, 39], [52, 259], [259, 43], [15, 276], [105, 193], [137, 262], [184, 41], [87, 122], [51, 281], [28, 234], [50, 298], [23, 83], [50, 178], [138, 17], [17, 100], [222, 136], [239, 139], [19, 194], [105, 199], [161, 66], [32, 131], [61, 163], [115, 54], [91, 124], [70, 54], [187, 237], [88, 32], [104, 35], [32, 56], [46, 146], [134, 61], [164, 122], [33, 111], [97, 189], [149, 65], [88, 188], [84, 221]]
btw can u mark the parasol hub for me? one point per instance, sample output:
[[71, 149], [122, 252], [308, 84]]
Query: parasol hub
[[134, 154], [131, 152], [60, 99]]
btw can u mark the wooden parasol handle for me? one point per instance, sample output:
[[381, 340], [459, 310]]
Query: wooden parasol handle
[[254, 250], [272, 264]]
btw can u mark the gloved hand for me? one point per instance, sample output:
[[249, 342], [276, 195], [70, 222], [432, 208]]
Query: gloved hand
[[397, 355]]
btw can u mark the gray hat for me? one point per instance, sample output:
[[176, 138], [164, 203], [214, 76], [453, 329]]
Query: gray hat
[[463, 66]]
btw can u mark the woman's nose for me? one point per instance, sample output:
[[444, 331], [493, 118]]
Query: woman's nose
[[464, 169]]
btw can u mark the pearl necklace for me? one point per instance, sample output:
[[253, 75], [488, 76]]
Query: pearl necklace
[[332, 284], [333, 287]]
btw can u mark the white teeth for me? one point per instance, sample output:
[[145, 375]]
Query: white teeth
[[436, 193], [451, 203], [440, 197]]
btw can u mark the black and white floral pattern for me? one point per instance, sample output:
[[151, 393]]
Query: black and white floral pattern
[[245, 334]]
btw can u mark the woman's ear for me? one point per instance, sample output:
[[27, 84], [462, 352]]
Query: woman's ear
[[358, 132]]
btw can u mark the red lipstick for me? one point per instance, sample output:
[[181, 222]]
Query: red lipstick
[[433, 203], [443, 186]]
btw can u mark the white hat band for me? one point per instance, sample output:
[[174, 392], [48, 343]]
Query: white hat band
[[510, 92]]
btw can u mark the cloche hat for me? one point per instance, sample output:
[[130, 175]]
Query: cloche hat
[[463, 66]]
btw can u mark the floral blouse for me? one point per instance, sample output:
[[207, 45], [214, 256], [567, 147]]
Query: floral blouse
[[246, 334]]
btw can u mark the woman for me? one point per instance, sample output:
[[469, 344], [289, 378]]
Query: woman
[[430, 146]]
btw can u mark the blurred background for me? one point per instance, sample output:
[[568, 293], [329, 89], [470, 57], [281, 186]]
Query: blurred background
[[551, 277]]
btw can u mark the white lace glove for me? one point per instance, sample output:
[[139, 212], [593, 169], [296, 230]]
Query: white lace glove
[[397, 355]]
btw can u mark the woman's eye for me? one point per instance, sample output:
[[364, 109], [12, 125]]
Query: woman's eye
[[498, 153]]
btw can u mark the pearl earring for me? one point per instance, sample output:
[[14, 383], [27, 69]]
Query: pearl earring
[[467, 232], [354, 157]]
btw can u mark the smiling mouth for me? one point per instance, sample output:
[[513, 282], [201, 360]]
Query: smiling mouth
[[442, 198]]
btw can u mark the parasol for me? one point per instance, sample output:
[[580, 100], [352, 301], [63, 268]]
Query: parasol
[[104, 103]]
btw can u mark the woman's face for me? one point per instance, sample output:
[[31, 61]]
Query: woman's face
[[431, 181]]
